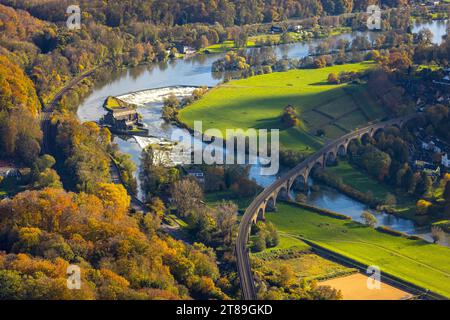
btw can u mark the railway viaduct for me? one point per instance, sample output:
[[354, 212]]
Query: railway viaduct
[[281, 189]]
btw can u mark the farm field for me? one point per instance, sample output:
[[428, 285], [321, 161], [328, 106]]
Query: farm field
[[258, 102], [298, 256], [254, 41], [354, 287], [310, 267], [416, 261], [251, 42]]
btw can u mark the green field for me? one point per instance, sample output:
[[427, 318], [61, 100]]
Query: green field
[[426, 265], [359, 180], [256, 40], [288, 242], [258, 102], [214, 198], [251, 42], [298, 255]]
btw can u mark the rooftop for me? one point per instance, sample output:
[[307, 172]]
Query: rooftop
[[123, 112]]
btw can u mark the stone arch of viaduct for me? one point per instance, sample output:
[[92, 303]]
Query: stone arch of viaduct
[[300, 174], [280, 188]]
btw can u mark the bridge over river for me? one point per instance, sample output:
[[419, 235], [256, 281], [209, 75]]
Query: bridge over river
[[281, 188]]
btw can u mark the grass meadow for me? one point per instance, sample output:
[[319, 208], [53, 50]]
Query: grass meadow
[[421, 263], [258, 102], [360, 180]]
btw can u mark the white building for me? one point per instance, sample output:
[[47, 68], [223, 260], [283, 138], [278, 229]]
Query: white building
[[7, 172], [445, 161]]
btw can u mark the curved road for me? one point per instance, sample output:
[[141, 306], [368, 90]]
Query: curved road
[[241, 250]]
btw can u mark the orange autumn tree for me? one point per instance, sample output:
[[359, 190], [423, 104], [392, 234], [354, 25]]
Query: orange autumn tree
[[20, 133], [120, 256]]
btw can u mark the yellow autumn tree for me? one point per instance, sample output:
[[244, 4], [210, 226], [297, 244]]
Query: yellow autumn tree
[[423, 206], [115, 199]]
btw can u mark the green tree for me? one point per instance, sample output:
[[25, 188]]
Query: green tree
[[259, 242], [377, 163], [48, 178], [272, 238]]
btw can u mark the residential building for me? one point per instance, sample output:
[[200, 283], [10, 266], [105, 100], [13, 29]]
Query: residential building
[[122, 119], [197, 174]]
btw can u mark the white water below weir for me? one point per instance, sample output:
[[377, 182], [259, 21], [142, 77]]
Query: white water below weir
[[157, 95], [150, 103]]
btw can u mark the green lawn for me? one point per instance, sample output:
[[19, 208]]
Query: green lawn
[[346, 104], [353, 120], [287, 242], [175, 220], [256, 40], [219, 47], [426, 265], [258, 102], [214, 198], [359, 180], [252, 41], [333, 132]]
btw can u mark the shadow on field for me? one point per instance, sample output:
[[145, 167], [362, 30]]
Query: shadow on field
[[321, 83], [354, 225]]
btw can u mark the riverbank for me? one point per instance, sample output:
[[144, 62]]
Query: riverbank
[[378, 193], [273, 39], [258, 102], [416, 261]]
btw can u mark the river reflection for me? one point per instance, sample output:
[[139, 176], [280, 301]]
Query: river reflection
[[437, 27], [331, 199]]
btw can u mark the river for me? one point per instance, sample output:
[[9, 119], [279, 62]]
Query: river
[[148, 85]]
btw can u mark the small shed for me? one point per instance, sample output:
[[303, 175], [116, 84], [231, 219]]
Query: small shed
[[197, 174]]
